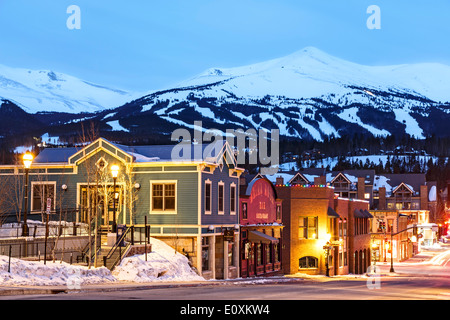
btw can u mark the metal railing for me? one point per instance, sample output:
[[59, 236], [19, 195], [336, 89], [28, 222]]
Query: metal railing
[[14, 231], [120, 245]]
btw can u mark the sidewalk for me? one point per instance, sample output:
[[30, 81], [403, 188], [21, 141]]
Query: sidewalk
[[118, 286], [47, 290]]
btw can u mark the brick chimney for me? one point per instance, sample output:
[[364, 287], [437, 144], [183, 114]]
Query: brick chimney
[[361, 187], [424, 197], [279, 181], [382, 198], [320, 180]]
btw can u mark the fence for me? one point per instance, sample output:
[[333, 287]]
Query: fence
[[37, 229], [60, 248]]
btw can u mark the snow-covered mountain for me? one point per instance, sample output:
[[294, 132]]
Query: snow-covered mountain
[[308, 94], [44, 90]]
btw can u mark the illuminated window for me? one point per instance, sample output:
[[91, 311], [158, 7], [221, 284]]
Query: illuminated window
[[307, 228], [366, 195], [307, 262], [163, 197]]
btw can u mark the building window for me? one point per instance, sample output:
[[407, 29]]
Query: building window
[[231, 254], [221, 198], [205, 254], [308, 262], [268, 253], [278, 213], [307, 227], [366, 196], [390, 225], [233, 199], [244, 210], [276, 252], [163, 197], [208, 197], [258, 254], [40, 193]]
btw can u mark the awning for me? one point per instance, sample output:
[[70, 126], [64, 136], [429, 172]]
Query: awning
[[332, 213], [362, 214], [257, 236], [368, 214], [359, 214]]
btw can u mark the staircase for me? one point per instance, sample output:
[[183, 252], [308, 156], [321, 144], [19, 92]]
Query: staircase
[[103, 233]]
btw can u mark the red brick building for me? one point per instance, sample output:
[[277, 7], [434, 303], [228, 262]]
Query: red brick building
[[323, 234], [261, 229], [354, 256]]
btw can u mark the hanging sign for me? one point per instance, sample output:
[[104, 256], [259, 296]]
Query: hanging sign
[[49, 205]]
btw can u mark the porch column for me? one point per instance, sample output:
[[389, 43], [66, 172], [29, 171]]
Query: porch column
[[225, 260], [199, 253], [212, 247], [236, 252]]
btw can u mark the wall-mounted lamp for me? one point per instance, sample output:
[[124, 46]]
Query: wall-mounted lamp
[[137, 186], [211, 228], [64, 187]]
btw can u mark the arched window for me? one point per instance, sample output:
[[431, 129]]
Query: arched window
[[308, 262]]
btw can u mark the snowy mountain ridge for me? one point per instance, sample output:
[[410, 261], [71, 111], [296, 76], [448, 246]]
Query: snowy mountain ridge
[[310, 95], [306, 95], [45, 90]]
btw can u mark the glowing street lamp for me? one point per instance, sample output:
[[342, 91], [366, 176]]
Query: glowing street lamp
[[27, 161], [114, 173], [327, 249]]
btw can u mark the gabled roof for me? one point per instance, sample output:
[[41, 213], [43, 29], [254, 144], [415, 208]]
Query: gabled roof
[[299, 175], [393, 181], [340, 174], [408, 187], [214, 153], [353, 175]]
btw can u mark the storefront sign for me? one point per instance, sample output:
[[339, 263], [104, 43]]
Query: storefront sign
[[228, 235]]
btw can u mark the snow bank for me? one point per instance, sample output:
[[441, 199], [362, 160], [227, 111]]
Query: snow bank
[[163, 264], [52, 274]]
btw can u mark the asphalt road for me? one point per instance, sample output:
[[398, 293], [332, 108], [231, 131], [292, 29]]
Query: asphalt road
[[426, 277]]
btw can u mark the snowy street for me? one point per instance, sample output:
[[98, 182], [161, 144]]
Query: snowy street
[[426, 276]]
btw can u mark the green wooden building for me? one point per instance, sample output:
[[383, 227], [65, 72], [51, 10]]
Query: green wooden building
[[187, 194]]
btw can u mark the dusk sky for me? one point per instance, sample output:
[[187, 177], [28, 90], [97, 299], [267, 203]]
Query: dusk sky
[[142, 45]]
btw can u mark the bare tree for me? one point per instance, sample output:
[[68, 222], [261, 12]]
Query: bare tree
[[128, 181]]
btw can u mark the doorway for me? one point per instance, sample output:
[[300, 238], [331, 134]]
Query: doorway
[[100, 201]]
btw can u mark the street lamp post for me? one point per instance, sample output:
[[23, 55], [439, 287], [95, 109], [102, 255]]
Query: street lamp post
[[115, 173], [27, 161], [392, 256], [374, 248], [327, 248]]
